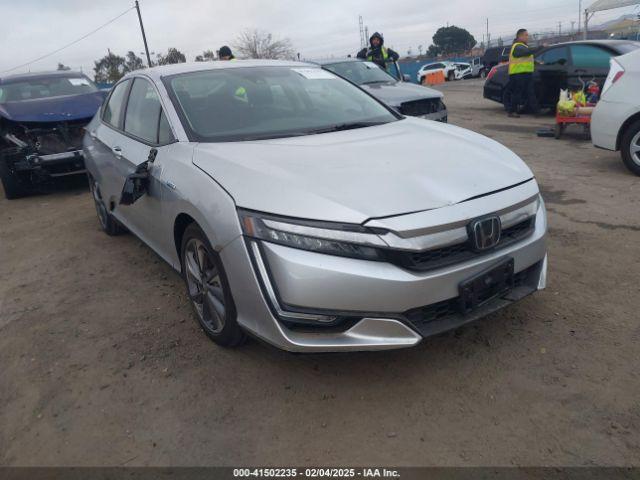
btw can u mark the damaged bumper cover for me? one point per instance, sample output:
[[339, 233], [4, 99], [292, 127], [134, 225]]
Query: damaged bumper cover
[[54, 164]]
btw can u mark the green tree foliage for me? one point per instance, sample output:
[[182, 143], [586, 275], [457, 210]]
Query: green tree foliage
[[173, 55], [207, 56], [109, 69], [451, 40], [62, 66], [132, 62]]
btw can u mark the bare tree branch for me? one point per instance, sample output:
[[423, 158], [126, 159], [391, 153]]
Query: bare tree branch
[[260, 44]]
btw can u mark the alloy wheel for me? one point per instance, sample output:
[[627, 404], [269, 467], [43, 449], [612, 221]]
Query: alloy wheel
[[635, 149], [205, 286]]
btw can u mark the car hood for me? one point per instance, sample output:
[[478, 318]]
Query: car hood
[[352, 176], [394, 94], [53, 109]]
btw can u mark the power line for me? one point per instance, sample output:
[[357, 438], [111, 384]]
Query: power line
[[71, 43]]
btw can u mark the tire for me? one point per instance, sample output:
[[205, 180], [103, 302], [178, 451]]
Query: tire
[[108, 223], [208, 289], [451, 76], [630, 147], [483, 74], [14, 184]]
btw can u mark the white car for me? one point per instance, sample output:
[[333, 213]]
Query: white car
[[615, 124], [452, 70]]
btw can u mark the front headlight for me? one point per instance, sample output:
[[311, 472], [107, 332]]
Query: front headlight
[[344, 240]]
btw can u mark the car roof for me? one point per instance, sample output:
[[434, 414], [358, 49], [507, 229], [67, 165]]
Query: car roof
[[40, 75], [157, 73]]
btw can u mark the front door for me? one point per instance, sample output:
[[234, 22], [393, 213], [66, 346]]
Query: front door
[[551, 75]]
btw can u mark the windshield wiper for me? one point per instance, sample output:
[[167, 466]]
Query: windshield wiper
[[371, 82], [345, 126]]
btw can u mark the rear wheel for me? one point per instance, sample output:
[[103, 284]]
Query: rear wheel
[[451, 76], [208, 289], [630, 148], [15, 185]]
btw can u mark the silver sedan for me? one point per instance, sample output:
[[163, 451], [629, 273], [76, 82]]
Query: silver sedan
[[302, 211]]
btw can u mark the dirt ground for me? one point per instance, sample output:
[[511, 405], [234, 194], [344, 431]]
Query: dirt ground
[[102, 363]]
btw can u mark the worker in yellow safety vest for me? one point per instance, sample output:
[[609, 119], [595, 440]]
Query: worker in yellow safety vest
[[521, 68], [378, 53], [226, 54]]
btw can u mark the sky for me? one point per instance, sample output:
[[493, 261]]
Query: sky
[[32, 28]]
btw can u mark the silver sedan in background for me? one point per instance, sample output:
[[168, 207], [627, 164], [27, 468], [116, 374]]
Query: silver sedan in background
[[301, 210]]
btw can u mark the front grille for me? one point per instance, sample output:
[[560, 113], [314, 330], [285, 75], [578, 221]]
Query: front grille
[[450, 309], [422, 107], [441, 257]]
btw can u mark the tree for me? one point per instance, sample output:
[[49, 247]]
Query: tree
[[173, 56], [433, 51], [260, 44], [420, 48], [132, 62], [62, 66], [453, 39], [109, 69], [206, 56]]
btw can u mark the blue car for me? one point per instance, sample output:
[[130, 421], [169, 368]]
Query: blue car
[[42, 120]]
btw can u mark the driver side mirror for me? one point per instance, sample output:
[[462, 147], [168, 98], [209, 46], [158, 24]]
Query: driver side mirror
[[137, 183]]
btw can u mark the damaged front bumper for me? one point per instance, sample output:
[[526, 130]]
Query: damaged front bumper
[[52, 165]]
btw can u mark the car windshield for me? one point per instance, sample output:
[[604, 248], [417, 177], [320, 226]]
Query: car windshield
[[361, 73], [252, 103], [45, 87]]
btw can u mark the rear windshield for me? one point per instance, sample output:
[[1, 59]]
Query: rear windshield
[[252, 103], [45, 87]]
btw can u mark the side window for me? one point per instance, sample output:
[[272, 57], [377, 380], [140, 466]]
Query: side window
[[143, 112], [164, 130], [588, 56], [115, 105], [555, 56]]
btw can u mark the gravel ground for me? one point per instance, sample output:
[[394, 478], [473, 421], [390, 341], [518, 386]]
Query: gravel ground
[[103, 363]]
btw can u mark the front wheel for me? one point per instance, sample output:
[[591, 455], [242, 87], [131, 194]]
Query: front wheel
[[451, 76], [108, 224], [208, 289], [630, 148]]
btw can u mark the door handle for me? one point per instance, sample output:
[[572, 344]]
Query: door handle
[[117, 151], [171, 185], [92, 134]]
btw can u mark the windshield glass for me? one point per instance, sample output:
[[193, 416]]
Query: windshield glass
[[361, 73], [45, 87], [253, 103]]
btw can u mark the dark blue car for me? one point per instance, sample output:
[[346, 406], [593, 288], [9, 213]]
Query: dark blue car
[[42, 120]]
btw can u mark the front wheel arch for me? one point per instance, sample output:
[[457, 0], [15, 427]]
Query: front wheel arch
[[180, 224]]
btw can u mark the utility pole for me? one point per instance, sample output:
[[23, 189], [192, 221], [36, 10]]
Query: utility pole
[[559, 29], [144, 37], [488, 34], [579, 14]]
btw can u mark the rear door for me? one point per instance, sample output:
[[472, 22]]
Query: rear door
[[551, 74], [588, 62]]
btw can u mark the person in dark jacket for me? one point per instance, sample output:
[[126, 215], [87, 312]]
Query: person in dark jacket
[[521, 68], [377, 52], [225, 53]]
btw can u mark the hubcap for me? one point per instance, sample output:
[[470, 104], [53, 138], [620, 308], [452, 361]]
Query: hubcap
[[100, 208], [635, 149], [204, 285]]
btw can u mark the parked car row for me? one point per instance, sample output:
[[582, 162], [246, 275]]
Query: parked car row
[[453, 70]]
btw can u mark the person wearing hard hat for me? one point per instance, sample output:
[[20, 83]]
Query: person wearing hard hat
[[377, 52], [521, 68]]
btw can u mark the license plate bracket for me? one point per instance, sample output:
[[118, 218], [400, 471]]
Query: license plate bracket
[[494, 282]]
